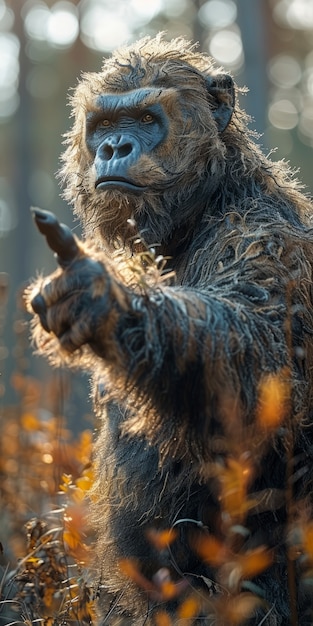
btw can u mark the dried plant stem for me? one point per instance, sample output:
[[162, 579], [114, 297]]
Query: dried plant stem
[[289, 446]]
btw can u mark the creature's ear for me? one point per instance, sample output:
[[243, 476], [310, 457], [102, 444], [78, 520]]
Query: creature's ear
[[221, 87]]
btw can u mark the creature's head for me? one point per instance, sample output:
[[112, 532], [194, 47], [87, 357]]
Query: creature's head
[[148, 138]]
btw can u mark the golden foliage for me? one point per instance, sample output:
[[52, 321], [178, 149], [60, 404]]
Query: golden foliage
[[211, 550], [308, 541], [253, 562], [162, 619], [189, 608], [274, 399], [130, 569], [235, 610], [44, 469], [161, 539], [234, 478], [160, 589]]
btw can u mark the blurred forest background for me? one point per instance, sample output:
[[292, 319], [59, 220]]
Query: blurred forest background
[[44, 45], [45, 423]]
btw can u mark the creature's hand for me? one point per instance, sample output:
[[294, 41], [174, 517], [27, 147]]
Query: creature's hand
[[71, 302]]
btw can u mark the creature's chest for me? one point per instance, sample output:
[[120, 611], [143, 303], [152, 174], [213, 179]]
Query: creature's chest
[[138, 480]]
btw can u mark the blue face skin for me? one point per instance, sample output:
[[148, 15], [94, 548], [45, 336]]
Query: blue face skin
[[119, 131]]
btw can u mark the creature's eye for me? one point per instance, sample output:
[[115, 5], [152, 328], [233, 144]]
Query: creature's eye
[[147, 118], [104, 122]]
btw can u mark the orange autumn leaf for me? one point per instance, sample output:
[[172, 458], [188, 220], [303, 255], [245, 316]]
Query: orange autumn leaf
[[74, 542], [72, 538], [254, 562], [234, 479], [274, 399], [34, 561], [83, 450], [169, 590], [75, 516], [235, 610], [188, 609], [66, 482], [78, 495], [308, 540], [84, 482], [89, 472], [30, 422], [161, 539], [162, 619], [48, 596], [85, 612], [131, 570], [75, 525], [210, 550], [164, 590]]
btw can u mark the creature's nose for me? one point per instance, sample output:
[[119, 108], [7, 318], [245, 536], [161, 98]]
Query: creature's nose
[[116, 148]]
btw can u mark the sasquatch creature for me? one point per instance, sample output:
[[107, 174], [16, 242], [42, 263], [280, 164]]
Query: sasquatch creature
[[190, 303]]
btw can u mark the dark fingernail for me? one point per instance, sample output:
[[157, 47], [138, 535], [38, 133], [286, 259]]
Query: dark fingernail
[[39, 306]]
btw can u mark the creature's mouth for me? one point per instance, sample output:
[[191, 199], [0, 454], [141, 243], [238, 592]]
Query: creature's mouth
[[118, 182]]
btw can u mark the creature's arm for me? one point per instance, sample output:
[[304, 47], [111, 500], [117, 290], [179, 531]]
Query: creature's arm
[[181, 351], [197, 358]]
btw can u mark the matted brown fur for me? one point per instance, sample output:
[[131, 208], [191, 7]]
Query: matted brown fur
[[183, 359]]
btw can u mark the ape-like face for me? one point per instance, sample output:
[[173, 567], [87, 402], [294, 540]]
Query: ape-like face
[[123, 133], [147, 137]]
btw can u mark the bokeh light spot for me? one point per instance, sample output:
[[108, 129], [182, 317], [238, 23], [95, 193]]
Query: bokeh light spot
[[175, 8], [309, 82], [284, 70], [226, 47], [300, 14], [297, 14], [62, 26], [218, 13], [36, 21], [7, 218], [283, 114], [6, 17], [9, 74], [142, 11], [9, 64], [3, 9], [102, 29]]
